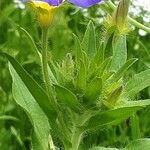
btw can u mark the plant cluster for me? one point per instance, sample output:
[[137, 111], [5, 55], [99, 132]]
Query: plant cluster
[[85, 92]]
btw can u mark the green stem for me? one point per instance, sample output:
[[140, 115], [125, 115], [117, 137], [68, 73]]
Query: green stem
[[47, 80], [132, 21], [76, 138], [78, 132], [46, 77], [139, 25], [135, 129]]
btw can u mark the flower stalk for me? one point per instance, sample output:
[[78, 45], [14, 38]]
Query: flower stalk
[[46, 77], [76, 138], [47, 80]]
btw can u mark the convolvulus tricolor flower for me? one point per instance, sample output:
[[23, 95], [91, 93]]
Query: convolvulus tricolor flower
[[80, 3], [47, 8]]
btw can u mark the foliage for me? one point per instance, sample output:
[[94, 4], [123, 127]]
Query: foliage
[[100, 84]]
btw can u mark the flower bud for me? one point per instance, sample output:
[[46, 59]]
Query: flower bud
[[113, 97], [121, 14], [67, 67]]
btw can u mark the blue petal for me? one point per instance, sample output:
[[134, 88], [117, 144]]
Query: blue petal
[[84, 3], [53, 2]]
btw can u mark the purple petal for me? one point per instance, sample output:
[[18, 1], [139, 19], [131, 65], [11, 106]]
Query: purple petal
[[84, 3], [53, 2]]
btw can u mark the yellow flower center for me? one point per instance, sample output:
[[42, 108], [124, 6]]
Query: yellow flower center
[[45, 12]]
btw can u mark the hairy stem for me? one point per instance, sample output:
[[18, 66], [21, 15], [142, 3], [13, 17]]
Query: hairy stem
[[76, 138], [46, 77], [77, 132], [47, 80]]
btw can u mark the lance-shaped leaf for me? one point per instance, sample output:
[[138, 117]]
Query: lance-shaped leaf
[[114, 116], [81, 76], [89, 40], [93, 90], [102, 148], [98, 57], [7, 117], [119, 53], [138, 83], [27, 102], [140, 144], [77, 48], [36, 91], [38, 54], [122, 70], [66, 97]]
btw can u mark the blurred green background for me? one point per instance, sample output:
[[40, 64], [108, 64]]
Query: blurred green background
[[69, 19]]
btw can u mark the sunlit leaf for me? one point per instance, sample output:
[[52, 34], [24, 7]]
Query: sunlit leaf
[[93, 90], [138, 83], [27, 102], [119, 53], [66, 97], [37, 92], [102, 148], [123, 69], [115, 116], [89, 40], [140, 144]]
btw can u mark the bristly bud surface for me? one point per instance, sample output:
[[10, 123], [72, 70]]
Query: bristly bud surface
[[120, 15]]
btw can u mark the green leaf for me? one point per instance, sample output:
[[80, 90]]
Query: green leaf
[[6, 12], [66, 97], [119, 53], [93, 90], [135, 128], [140, 144], [122, 70], [137, 83], [81, 76], [104, 66], [138, 103], [99, 57], [102, 148], [98, 72], [25, 99], [77, 48], [89, 40], [116, 115], [36, 91], [7, 117], [38, 54], [16, 135], [31, 40]]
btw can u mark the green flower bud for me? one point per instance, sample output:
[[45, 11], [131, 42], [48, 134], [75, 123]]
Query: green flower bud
[[121, 14], [113, 97], [67, 67]]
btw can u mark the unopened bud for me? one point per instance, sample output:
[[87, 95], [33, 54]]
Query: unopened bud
[[67, 67], [121, 14], [113, 97]]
